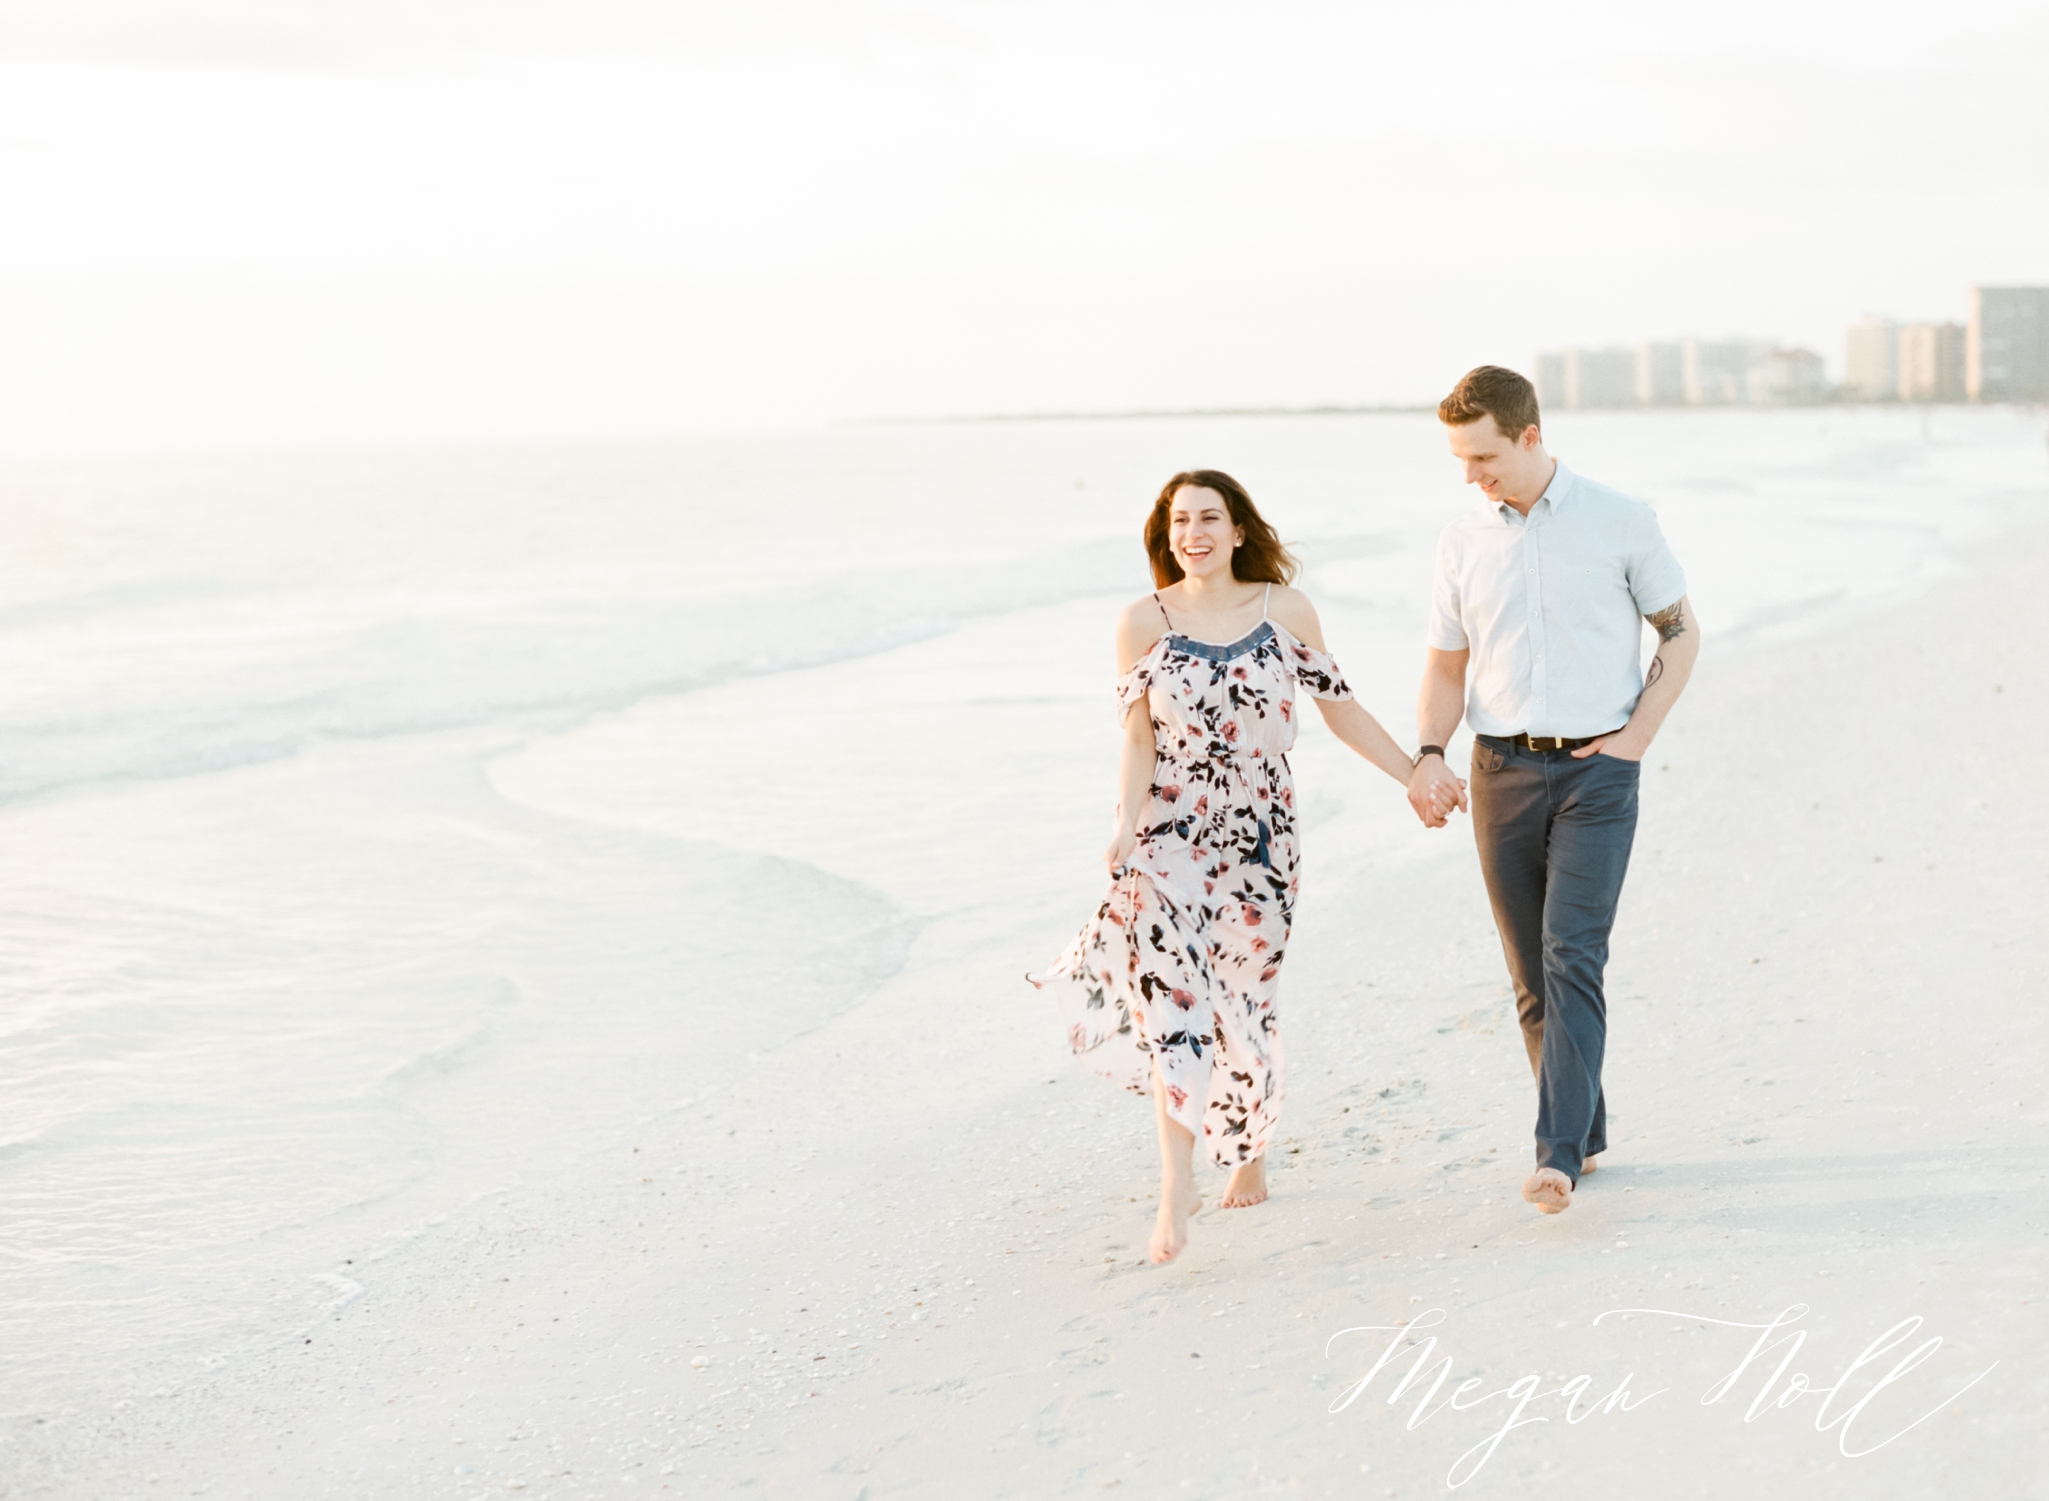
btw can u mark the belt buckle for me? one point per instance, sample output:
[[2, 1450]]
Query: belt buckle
[[1547, 742]]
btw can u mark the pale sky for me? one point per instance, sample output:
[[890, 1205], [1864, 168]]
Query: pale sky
[[277, 221]]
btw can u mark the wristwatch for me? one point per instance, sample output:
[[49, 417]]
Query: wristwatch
[[1429, 750]]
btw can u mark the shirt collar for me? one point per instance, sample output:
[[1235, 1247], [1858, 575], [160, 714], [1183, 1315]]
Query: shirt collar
[[1555, 492]]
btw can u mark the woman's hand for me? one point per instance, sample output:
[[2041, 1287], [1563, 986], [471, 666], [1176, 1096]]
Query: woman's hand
[[1120, 849], [1434, 790]]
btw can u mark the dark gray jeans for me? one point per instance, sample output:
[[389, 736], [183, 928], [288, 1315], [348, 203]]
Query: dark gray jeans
[[1554, 836]]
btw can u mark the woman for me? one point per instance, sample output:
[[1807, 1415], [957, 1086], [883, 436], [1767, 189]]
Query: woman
[[1171, 985]]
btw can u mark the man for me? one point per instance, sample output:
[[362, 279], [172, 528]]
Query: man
[[1536, 634]]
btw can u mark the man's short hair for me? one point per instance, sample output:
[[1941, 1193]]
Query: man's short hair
[[1491, 391]]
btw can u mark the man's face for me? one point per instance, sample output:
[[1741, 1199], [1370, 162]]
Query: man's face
[[1500, 465]]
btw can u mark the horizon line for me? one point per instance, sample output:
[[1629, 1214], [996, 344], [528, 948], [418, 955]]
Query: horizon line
[[1129, 414], [1838, 397]]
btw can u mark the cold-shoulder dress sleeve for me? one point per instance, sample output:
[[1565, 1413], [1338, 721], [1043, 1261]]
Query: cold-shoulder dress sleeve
[[1137, 682], [1317, 671]]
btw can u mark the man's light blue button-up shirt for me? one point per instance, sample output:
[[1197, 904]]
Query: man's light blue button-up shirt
[[1552, 605]]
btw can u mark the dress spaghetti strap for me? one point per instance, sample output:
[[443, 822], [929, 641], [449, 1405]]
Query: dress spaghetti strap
[[1163, 608], [1265, 600]]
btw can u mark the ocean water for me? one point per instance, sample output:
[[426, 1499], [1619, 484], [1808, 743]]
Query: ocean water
[[382, 829]]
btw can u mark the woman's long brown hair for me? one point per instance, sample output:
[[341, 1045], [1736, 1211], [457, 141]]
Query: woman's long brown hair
[[1260, 558]]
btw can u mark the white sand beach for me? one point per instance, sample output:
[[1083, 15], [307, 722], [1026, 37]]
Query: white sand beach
[[887, 1240]]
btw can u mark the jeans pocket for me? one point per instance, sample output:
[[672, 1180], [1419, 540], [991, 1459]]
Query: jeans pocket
[[1487, 758], [1613, 783]]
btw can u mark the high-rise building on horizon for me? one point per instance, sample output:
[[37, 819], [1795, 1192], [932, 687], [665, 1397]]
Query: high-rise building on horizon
[[1578, 380], [2006, 356], [1871, 366], [1679, 372], [1931, 361], [1716, 372], [1786, 377], [1661, 374], [1600, 378]]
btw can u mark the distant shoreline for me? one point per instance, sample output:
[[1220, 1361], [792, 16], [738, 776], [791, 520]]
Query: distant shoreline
[[1387, 410], [1137, 414]]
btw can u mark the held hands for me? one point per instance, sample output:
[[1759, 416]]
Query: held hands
[[1434, 790]]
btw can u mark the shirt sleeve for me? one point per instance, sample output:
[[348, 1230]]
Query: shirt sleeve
[[1447, 630], [1656, 581]]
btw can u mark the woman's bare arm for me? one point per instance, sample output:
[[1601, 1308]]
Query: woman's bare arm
[[1347, 718], [1138, 628]]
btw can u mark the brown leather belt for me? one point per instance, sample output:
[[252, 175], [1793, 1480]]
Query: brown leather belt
[[1550, 742]]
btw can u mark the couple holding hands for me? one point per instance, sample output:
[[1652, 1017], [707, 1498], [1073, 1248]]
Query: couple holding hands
[[1536, 625]]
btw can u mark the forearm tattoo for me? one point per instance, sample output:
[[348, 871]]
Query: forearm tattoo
[[1657, 670], [1670, 622]]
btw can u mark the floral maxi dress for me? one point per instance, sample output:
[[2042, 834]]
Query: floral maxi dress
[[1182, 960]]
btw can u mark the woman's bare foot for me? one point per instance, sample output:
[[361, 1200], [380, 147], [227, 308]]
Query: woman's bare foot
[[1177, 1179], [1247, 1185], [1170, 1229], [1548, 1189]]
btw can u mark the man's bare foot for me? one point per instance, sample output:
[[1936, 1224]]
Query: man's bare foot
[[1548, 1189], [1588, 1166], [1170, 1229], [1247, 1185]]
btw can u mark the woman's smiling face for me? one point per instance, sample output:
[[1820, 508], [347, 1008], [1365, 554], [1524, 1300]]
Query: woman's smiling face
[[1199, 530]]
